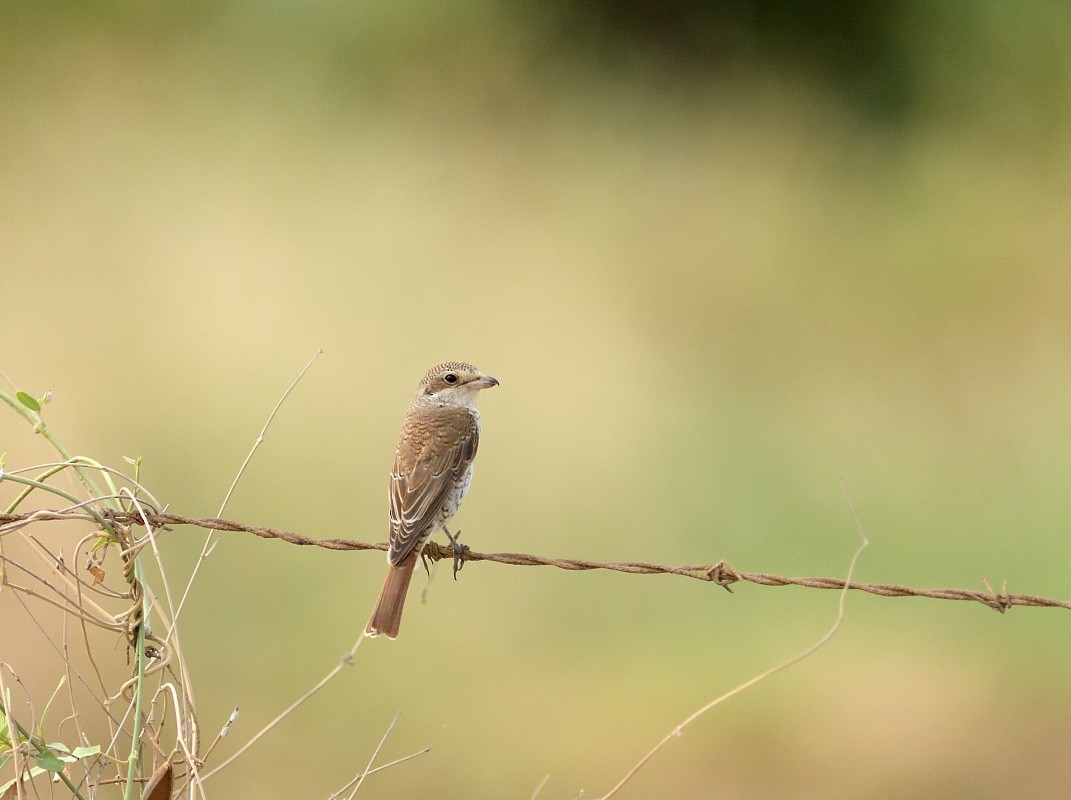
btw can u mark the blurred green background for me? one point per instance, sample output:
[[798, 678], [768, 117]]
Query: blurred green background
[[718, 257]]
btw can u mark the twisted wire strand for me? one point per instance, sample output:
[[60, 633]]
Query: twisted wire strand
[[720, 573]]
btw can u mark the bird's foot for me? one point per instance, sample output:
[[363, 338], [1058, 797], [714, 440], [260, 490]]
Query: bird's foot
[[458, 549]]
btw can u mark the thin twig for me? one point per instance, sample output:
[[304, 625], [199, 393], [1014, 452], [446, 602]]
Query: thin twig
[[397, 761], [206, 549], [375, 754], [347, 660], [676, 732], [539, 788]]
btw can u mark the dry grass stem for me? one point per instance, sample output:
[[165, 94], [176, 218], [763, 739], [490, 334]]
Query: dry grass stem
[[806, 653]]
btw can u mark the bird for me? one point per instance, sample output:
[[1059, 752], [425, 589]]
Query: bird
[[431, 475]]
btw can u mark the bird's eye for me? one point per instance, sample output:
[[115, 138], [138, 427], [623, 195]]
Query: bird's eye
[[450, 378]]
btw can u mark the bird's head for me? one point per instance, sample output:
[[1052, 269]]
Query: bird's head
[[454, 382]]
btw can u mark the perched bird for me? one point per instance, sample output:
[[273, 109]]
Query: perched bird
[[431, 475]]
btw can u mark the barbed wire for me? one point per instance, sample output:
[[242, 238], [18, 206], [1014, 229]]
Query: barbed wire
[[721, 573]]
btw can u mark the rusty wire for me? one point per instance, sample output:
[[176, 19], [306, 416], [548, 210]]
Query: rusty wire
[[720, 573]]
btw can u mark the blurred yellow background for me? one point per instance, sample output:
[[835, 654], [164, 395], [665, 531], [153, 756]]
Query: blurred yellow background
[[715, 265]]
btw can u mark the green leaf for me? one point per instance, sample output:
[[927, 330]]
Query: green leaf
[[63, 752], [28, 401], [49, 761], [86, 752]]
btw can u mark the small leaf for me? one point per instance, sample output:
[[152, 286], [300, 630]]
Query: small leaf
[[63, 752], [49, 761], [97, 573], [159, 785], [28, 401], [86, 752]]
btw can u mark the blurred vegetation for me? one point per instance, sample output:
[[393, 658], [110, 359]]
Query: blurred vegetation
[[717, 256]]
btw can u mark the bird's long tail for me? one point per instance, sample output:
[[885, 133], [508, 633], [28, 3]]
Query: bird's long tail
[[387, 615]]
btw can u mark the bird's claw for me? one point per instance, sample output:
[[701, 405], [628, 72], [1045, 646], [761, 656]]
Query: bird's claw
[[458, 551]]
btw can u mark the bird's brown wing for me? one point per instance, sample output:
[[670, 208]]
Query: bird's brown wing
[[435, 449]]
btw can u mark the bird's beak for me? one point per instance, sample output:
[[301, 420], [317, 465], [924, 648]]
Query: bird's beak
[[483, 382]]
